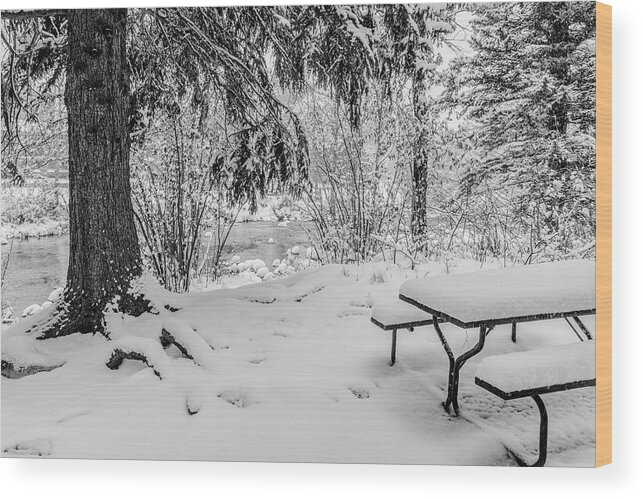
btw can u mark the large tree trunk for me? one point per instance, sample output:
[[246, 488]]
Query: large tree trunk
[[104, 252]]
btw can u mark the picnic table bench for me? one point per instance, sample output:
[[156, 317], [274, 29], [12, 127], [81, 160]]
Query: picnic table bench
[[536, 372], [396, 315], [489, 298]]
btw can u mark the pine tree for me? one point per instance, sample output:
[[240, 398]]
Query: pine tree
[[529, 90]]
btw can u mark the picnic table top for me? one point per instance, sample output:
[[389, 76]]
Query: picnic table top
[[501, 296]]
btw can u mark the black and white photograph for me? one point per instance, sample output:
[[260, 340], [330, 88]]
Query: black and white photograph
[[360, 233]]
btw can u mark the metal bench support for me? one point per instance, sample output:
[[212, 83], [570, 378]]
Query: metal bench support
[[514, 330], [455, 364], [542, 439]]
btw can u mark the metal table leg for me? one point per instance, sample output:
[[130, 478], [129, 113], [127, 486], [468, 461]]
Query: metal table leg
[[582, 327], [393, 346], [455, 364], [514, 330]]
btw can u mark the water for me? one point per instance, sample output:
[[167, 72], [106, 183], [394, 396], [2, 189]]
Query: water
[[37, 266]]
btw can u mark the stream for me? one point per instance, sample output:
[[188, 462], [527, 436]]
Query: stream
[[37, 266]]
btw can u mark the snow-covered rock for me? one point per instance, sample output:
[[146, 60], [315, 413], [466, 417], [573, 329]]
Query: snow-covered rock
[[276, 263], [235, 259], [295, 250], [283, 224], [258, 264], [31, 310], [250, 276], [56, 294]]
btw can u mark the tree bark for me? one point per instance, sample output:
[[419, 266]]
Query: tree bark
[[104, 251], [420, 167]]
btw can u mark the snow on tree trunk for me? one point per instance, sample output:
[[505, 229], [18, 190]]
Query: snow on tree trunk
[[104, 251]]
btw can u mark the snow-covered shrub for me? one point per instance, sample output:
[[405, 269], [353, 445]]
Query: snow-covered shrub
[[379, 275], [361, 175], [39, 204]]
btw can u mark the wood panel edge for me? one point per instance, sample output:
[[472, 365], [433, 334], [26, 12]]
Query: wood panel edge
[[603, 234]]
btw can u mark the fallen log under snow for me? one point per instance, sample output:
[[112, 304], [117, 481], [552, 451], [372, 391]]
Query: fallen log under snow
[[188, 341], [142, 349]]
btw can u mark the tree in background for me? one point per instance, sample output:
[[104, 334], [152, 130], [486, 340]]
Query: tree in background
[[528, 92]]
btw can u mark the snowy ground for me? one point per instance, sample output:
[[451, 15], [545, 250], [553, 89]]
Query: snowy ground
[[295, 371]]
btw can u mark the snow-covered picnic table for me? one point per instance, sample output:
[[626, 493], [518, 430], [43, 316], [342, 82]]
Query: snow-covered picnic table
[[488, 298]]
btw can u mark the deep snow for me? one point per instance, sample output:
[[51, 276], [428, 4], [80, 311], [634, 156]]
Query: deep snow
[[296, 372]]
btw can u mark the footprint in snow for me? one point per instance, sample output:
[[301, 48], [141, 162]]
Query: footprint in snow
[[360, 393], [34, 447], [236, 398]]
